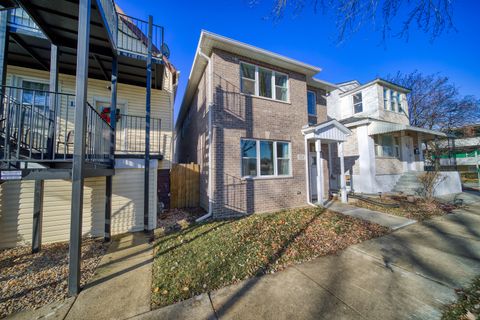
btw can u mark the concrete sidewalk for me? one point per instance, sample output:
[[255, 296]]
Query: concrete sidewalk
[[120, 289], [381, 218], [408, 274]]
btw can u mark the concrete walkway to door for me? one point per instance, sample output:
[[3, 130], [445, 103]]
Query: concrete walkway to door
[[408, 274]]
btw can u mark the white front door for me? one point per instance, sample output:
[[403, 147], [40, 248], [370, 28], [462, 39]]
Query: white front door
[[313, 173], [410, 156]]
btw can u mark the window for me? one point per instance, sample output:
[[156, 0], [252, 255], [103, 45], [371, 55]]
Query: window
[[265, 158], [247, 74], [392, 100], [249, 157], [283, 158], [399, 102], [312, 103], [35, 93], [385, 98], [387, 146], [263, 82], [357, 103]]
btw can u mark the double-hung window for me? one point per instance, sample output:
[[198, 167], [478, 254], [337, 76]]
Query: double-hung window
[[392, 100], [385, 98], [312, 103], [265, 158], [263, 82], [35, 93], [357, 103], [399, 102]]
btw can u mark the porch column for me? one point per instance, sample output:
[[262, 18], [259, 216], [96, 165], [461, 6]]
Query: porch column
[[113, 123], [37, 216], [307, 171], [78, 169], [146, 185], [3, 50], [343, 184], [421, 159], [53, 87], [318, 149]]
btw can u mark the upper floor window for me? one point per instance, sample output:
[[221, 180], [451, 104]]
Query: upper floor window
[[265, 158], [263, 82], [357, 103], [311, 103], [392, 100]]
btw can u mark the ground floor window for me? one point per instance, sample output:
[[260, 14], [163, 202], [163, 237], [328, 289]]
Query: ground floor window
[[387, 146], [265, 158]]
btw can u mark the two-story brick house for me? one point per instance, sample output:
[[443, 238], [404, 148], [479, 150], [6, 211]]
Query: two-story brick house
[[257, 122]]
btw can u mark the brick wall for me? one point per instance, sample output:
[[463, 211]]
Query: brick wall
[[239, 116]]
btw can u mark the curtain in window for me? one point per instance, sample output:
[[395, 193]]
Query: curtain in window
[[265, 82]]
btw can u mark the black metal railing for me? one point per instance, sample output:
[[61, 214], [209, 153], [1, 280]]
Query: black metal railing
[[39, 126], [130, 135], [132, 36]]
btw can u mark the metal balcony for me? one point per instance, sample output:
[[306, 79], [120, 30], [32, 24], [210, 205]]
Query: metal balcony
[[38, 127]]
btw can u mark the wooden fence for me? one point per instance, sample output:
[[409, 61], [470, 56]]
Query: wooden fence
[[185, 185]]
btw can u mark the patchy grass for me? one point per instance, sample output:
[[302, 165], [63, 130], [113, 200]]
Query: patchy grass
[[468, 305], [29, 281], [208, 256], [416, 209]]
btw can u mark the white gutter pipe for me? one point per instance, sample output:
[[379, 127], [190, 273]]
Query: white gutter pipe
[[210, 117]]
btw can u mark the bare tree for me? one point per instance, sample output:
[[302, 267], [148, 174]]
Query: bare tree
[[433, 17], [435, 103]]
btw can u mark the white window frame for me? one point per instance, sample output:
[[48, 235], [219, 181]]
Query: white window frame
[[386, 99], [257, 82], [315, 103], [361, 101], [275, 160]]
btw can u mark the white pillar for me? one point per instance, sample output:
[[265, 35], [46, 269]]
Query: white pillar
[[343, 184], [421, 159], [307, 171], [318, 149]]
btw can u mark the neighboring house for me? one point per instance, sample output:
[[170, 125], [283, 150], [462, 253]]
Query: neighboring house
[[269, 136], [466, 149], [38, 126], [383, 147]]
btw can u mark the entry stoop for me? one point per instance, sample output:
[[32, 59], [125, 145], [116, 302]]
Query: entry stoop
[[409, 183]]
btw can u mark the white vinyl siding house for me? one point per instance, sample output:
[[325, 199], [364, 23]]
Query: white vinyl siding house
[[16, 198]]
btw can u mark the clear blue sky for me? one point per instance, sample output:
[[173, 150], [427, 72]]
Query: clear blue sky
[[310, 38]]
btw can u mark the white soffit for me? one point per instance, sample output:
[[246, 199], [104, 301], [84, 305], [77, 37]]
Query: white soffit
[[380, 127]]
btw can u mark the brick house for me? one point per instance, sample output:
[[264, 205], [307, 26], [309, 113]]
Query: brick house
[[257, 122]]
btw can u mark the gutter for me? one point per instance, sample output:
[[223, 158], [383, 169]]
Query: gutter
[[210, 117]]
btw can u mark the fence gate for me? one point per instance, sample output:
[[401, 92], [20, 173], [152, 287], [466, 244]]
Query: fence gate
[[185, 185]]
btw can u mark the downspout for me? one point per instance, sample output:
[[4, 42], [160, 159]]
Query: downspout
[[210, 117]]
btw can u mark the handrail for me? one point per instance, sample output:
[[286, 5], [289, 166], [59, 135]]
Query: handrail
[[130, 134]]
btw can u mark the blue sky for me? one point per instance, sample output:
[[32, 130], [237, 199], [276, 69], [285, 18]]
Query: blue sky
[[310, 38]]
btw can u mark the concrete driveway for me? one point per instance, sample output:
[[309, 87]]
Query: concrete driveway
[[408, 274]]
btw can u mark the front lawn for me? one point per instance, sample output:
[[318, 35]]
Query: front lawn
[[208, 256], [468, 304], [417, 208]]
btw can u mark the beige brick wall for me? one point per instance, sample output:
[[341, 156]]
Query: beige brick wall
[[239, 116]]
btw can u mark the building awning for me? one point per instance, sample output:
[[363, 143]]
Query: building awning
[[331, 130], [381, 127]]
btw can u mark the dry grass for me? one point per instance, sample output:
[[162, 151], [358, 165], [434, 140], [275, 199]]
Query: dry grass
[[29, 281], [204, 257], [417, 208]]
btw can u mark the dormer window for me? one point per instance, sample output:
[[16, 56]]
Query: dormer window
[[357, 103]]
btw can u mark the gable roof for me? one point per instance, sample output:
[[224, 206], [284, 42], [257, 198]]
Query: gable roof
[[329, 130], [209, 41]]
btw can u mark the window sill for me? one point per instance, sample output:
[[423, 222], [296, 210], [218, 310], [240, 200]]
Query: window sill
[[264, 98], [395, 112], [267, 177]]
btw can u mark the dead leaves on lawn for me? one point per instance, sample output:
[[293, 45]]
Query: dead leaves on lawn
[[208, 256]]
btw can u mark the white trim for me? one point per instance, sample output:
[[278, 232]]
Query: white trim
[[322, 125], [258, 160]]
